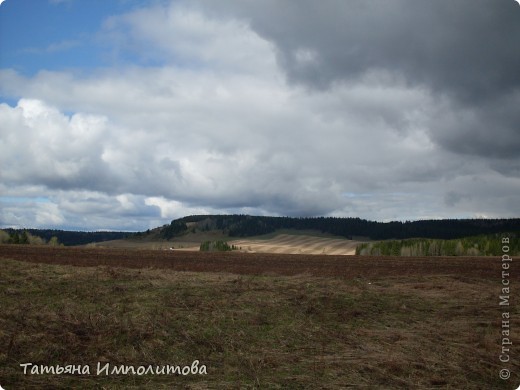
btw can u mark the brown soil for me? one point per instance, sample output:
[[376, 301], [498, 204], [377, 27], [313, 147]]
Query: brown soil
[[260, 263]]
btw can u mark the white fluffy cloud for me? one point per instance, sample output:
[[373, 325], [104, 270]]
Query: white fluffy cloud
[[207, 123], [182, 34]]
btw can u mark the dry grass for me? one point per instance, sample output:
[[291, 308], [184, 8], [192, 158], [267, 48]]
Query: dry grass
[[272, 332], [293, 242], [298, 244]]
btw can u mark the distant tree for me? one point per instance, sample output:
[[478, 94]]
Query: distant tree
[[24, 239], [4, 237], [35, 240], [173, 229], [215, 246], [459, 249], [54, 241], [15, 238], [483, 245]]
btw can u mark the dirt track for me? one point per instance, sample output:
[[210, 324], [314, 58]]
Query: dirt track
[[261, 264]]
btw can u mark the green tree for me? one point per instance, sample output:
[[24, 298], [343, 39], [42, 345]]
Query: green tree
[[54, 241], [24, 239], [15, 238], [215, 246], [4, 237], [35, 240]]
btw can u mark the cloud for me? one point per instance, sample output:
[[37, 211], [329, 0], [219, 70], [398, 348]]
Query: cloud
[[299, 113], [182, 35], [77, 209], [464, 53], [43, 146], [18, 213], [441, 44], [488, 129], [53, 47]]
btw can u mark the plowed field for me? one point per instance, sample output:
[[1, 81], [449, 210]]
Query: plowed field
[[260, 263], [255, 320]]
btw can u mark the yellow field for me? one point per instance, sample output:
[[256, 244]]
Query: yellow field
[[285, 243], [298, 244]]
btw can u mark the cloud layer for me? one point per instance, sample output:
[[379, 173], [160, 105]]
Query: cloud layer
[[309, 110]]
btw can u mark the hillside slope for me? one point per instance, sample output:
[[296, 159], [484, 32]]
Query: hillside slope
[[352, 228], [285, 241], [297, 244]]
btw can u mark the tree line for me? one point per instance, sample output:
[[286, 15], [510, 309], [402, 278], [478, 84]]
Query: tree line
[[67, 238], [216, 246], [483, 245], [446, 229], [26, 238]]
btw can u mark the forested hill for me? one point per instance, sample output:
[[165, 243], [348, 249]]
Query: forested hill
[[246, 225]]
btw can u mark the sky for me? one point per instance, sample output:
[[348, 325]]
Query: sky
[[126, 114]]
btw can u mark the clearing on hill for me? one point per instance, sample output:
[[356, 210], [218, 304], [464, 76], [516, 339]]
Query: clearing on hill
[[297, 244], [283, 242]]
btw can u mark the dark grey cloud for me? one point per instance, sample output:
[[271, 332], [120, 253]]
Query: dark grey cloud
[[466, 47], [489, 129], [465, 52]]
